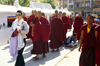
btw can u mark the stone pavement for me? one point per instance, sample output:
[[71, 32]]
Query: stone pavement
[[71, 59], [51, 59]]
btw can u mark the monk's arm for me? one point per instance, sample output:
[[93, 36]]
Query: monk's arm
[[81, 38], [32, 25], [64, 23], [96, 32], [32, 30]]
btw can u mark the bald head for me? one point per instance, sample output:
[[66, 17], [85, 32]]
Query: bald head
[[56, 12], [59, 15], [32, 12], [80, 14], [35, 13], [24, 14], [64, 14], [39, 14]]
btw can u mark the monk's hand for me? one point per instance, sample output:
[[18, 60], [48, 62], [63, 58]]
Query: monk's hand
[[19, 31], [79, 49], [32, 35], [40, 22], [64, 23]]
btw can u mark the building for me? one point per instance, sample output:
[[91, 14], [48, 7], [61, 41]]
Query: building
[[70, 6], [65, 3], [83, 6], [62, 3], [96, 6]]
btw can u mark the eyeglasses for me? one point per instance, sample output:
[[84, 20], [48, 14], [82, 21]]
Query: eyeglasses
[[18, 14]]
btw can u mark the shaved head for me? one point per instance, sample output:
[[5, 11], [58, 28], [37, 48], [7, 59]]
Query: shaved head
[[64, 14], [56, 12], [39, 14], [24, 14], [32, 12], [59, 15], [79, 14]]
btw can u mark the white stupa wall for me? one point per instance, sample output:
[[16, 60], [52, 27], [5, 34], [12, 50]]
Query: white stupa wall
[[6, 10]]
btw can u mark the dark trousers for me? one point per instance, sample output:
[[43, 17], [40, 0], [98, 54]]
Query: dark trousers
[[20, 59]]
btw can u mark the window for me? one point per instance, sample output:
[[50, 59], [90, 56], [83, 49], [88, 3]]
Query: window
[[70, 6], [82, 4], [87, 4], [71, 1], [77, 5]]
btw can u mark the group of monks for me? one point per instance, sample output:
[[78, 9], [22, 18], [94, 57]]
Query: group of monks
[[41, 30], [89, 42]]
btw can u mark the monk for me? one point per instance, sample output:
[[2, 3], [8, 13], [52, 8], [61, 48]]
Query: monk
[[66, 24], [24, 17], [43, 14], [87, 43], [71, 22], [97, 48], [56, 33], [55, 15], [41, 36], [30, 22], [77, 25]]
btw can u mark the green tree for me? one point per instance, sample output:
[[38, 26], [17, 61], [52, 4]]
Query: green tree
[[52, 2], [25, 3]]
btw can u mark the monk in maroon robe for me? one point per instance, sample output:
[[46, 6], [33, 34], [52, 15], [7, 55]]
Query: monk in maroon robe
[[56, 33], [30, 22], [41, 36], [97, 48], [87, 43], [32, 25], [77, 25], [55, 15], [25, 18], [71, 22], [66, 24]]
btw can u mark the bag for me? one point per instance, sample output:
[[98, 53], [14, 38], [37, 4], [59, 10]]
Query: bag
[[15, 33]]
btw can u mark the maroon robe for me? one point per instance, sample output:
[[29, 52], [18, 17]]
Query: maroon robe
[[25, 19], [87, 57], [71, 23], [67, 21], [32, 37], [56, 33], [41, 36], [97, 48], [30, 29], [54, 16], [77, 25]]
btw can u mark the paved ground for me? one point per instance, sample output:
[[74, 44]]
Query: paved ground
[[71, 59], [52, 58]]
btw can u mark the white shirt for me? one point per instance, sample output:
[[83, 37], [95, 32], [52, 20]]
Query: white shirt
[[19, 25]]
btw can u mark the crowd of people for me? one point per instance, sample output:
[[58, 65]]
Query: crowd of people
[[40, 30]]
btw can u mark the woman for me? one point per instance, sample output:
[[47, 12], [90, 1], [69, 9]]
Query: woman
[[87, 43], [22, 29]]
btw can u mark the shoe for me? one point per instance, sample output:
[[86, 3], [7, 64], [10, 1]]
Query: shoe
[[44, 55], [57, 49], [36, 58], [53, 51]]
